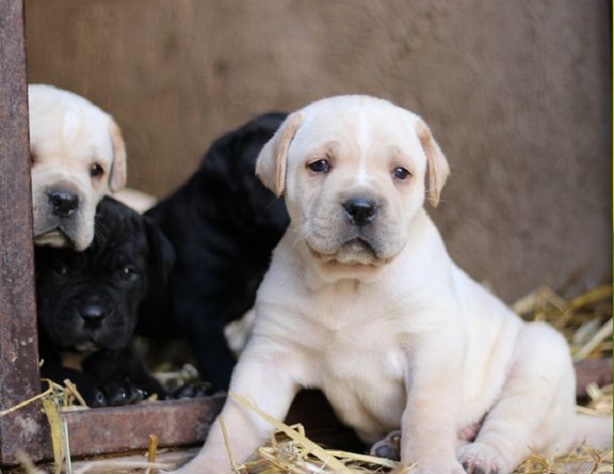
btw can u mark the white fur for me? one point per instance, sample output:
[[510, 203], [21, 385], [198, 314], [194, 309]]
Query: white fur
[[400, 338], [68, 136]]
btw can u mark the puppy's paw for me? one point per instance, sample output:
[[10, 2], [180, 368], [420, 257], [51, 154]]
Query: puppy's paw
[[479, 458], [119, 394], [95, 399], [192, 390], [389, 447]]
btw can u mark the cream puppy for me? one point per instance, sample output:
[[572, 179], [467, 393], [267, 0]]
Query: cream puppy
[[363, 302], [78, 156]]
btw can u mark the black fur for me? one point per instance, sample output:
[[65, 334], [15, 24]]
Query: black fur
[[88, 301], [223, 224]]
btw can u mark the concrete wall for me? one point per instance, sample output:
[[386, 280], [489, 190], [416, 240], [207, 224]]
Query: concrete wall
[[517, 93]]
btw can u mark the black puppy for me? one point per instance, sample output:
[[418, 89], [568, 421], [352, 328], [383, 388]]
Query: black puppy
[[223, 224], [87, 306]]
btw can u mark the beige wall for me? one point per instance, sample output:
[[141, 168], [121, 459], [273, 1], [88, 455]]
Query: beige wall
[[516, 92]]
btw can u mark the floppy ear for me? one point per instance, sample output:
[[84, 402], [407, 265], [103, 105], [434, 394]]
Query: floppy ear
[[271, 162], [161, 251], [437, 167], [119, 171]]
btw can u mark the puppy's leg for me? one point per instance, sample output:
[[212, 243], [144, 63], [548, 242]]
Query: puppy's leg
[[215, 359], [203, 323], [264, 376], [536, 408], [428, 424]]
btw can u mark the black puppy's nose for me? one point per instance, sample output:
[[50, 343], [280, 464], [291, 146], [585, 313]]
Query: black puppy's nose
[[63, 203], [92, 313], [360, 211]]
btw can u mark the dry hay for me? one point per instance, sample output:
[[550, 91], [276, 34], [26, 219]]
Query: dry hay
[[292, 456]]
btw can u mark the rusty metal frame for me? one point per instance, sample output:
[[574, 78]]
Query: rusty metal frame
[[91, 431], [18, 342]]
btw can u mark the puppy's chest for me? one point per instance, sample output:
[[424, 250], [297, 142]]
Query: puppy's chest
[[76, 359], [361, 366], [73, 360], [365, 360], [350, 341]]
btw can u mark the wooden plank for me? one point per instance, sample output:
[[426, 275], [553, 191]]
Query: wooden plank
[[18, 343], [123, 429]]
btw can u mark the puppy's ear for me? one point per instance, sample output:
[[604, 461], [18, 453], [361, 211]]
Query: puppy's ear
[[119, 169], [271, 163], [161, 252], [437, 167]]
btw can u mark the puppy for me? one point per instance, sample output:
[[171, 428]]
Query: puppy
[[78, 156], [87, 306], [223, 224], [363, 301]]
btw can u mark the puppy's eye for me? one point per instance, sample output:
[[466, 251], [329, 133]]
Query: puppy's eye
[[127, 272], [96, 171], [319, 166], [400, 173], [61, 269]]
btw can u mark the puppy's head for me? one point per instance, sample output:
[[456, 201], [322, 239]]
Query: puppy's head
[[89, 299], [353, 171], [227, 177], [78, 155]]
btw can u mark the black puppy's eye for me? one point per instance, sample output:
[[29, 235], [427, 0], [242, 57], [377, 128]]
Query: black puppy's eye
[[127, 272], [61, 269], [319, 166], [400, 173], [96, 171]]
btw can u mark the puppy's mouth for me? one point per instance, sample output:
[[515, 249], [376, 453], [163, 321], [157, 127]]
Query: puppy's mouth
[[56, 237], [354, 252], [92, 341], [88, 347]]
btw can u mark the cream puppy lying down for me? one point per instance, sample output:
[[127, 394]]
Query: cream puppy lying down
[[363, 302], [78, 156]]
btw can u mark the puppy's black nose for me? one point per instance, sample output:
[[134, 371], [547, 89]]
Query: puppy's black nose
[[92, 313], [63, 203], [360, 211]]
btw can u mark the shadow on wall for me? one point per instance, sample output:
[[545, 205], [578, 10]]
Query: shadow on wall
[[516, 93]]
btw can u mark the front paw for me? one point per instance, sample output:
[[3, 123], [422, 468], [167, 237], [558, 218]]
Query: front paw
[[114, 394], [479, 458], [192, 390]]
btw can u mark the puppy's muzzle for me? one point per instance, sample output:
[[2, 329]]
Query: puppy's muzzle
[[63, 203], [360, 211]]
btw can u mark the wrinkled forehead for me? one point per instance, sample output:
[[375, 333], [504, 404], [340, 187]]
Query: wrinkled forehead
[[362, 129], [74, 131]]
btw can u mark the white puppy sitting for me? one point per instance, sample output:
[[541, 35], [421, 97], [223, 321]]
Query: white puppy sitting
[[78, 156], [363, 302]]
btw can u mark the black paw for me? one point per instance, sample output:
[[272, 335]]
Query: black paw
[[193, 390], [114, 394]]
